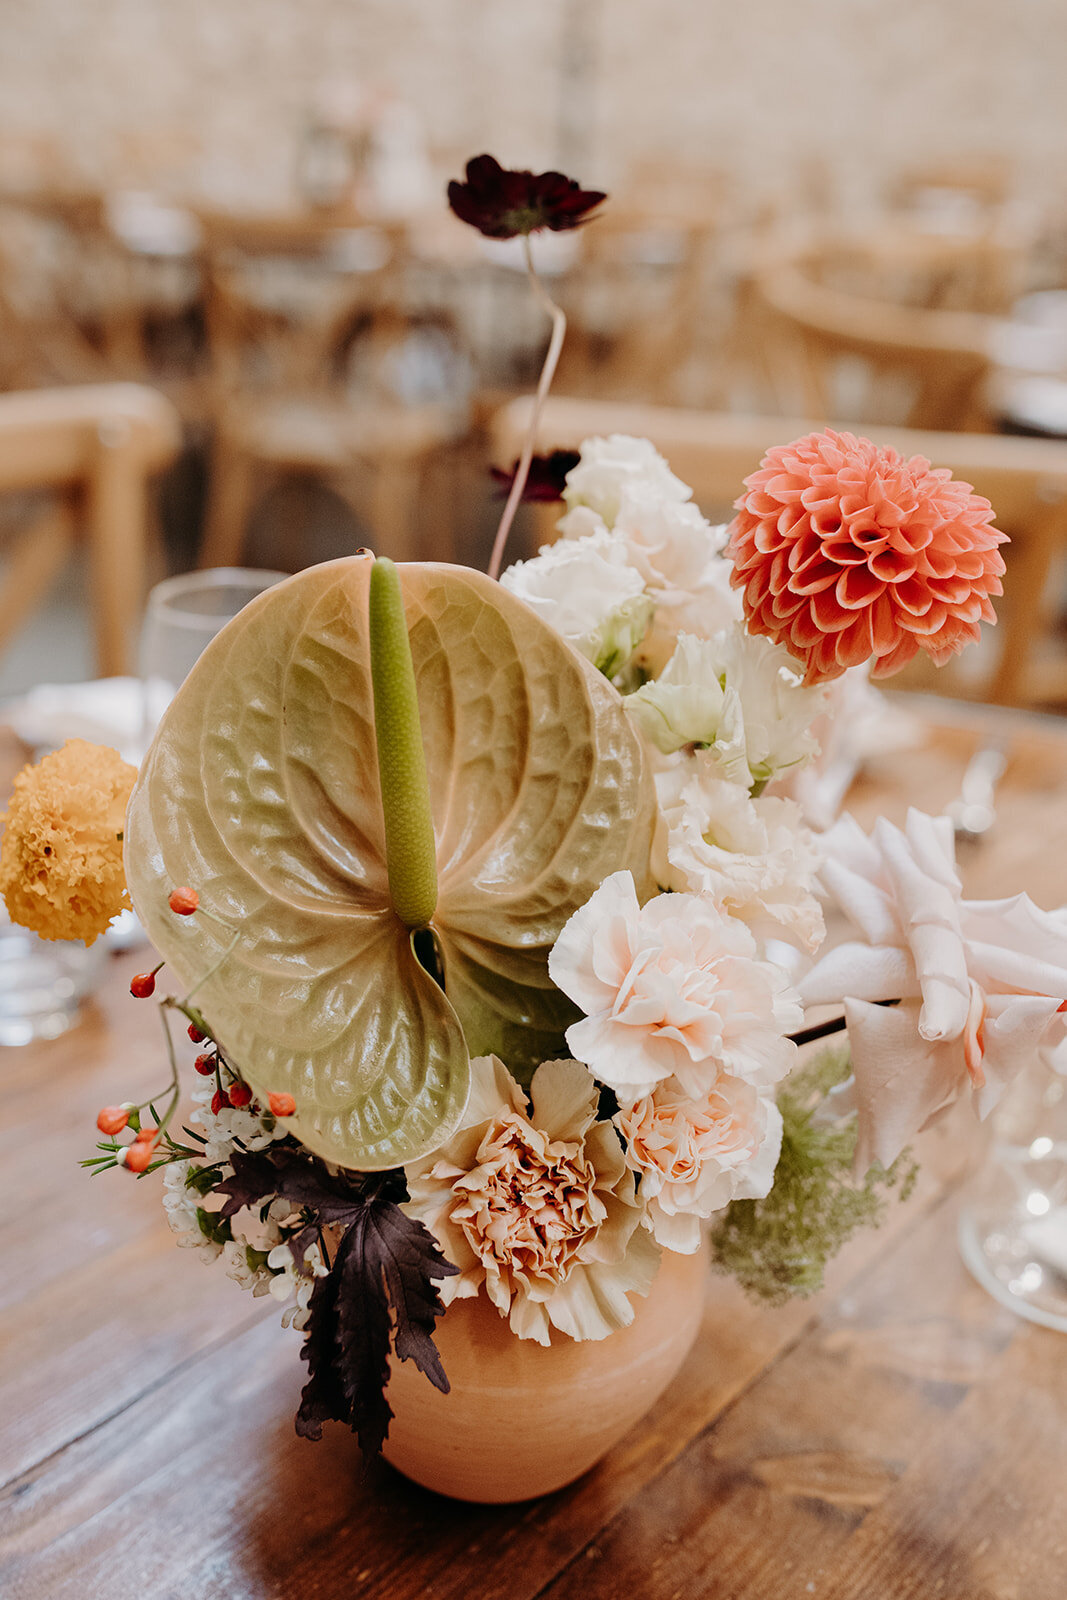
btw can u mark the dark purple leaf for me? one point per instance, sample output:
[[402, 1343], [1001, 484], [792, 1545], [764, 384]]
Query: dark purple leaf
[[346, 1348], [546, 479], [502, 202]]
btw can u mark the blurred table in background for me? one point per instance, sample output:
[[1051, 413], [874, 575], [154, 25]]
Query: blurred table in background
[[897, 1437]]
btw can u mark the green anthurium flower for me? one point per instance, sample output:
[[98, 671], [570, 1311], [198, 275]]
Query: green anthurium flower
[[262, 790]]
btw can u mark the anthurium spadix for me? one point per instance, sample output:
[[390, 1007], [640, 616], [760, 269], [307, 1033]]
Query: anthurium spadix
[[262, 790]]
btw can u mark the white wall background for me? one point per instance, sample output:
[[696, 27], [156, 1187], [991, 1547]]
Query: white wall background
[[760, 86]]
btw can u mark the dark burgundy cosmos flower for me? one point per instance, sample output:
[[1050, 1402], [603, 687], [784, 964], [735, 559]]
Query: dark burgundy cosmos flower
[[501, 203], [545, 479]]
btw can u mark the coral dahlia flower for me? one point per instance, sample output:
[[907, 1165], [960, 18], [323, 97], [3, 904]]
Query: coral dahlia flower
[[843, 551]]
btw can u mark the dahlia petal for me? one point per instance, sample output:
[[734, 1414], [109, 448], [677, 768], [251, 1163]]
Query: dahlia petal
[[856, 587], [829, 612], [844, 553], [892, 566], [906, 650]]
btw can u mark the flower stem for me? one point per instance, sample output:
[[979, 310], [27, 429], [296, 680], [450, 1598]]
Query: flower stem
[[544, 383], [410, 848]]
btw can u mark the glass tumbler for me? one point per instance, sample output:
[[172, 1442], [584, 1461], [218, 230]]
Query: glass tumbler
[[1013, 1228]]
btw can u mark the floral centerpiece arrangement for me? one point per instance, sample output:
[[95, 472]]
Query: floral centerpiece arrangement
[[493, 929]]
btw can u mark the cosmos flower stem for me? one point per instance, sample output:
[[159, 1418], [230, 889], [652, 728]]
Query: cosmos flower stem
[[544, 383]]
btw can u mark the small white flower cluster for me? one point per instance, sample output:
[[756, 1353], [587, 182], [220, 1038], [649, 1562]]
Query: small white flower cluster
[[686, 1019], [258, 1255]]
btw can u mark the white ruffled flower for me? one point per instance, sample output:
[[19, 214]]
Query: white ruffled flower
[[754, 857], [667, 541], [608, 467], [586, 591], [712, 605], [733, 684], [696, 1155], [671, 989]]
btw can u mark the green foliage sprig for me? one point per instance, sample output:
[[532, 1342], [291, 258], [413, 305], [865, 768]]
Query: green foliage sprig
[[779, 1246]]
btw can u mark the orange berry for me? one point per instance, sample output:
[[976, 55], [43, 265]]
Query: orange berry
[[240, 1094], [220, 1100], [281, 1105], [143, 985], [205, 1064], [138, 1156], [195, 1035], [112, 1120], [183, 901], [146, 1135]]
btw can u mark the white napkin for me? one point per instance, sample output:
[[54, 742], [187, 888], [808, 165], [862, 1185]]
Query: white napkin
[[120, 712]]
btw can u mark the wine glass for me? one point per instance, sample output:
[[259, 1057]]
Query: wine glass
[[182, 617]]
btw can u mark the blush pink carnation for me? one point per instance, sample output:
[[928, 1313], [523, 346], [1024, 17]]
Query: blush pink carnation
[[843, 551], [695, 1156], [671, 989]]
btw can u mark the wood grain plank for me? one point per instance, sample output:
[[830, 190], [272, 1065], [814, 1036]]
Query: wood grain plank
[[766, 1503]]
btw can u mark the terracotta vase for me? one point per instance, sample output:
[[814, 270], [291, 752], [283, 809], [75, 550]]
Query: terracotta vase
[[521, 1420]]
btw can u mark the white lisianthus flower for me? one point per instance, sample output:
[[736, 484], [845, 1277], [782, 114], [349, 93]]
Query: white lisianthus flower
[[586, 591], [690, 705], [671, 989], [696, 1155], [608, 467], [770, 710], [754, 857], [533, 1202]]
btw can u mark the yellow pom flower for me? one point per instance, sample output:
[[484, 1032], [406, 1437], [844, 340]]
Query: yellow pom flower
[[61, 870]]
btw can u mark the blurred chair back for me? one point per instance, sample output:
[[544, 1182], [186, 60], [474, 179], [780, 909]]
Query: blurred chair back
[[93, 450], [321, 370], [933, 363], [67, 287], [1021, 663], [280, 289], [633, 302]]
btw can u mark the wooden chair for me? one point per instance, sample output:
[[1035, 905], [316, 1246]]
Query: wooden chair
[[935, 362], [305, 320], [634, 300], [93, 450], [1025, 480]]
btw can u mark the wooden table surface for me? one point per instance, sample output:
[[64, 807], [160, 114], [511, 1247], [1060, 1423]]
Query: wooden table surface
[[900, 1435]]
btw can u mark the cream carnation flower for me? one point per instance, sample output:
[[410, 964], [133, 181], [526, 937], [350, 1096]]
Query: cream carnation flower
[[695, 1156], [537, 1204], [669, 542], [609, 467], [736, 674], [670, 989], [753, 857], [710, 606], [586, 591]]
